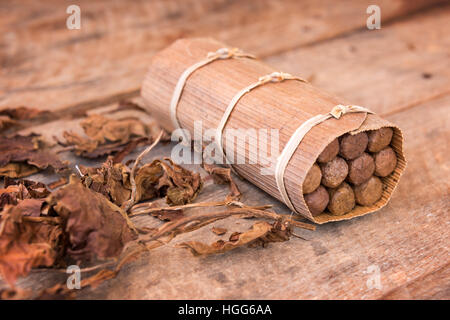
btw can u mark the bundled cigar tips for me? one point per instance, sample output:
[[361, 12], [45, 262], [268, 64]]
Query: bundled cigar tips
[[329, 152], [379, 139], [334, 172], [334, 160], [312, 180], [350, 167], [369, 192], [318, 200], [385, 162], [342, 199], [352, 146], [360, 169]]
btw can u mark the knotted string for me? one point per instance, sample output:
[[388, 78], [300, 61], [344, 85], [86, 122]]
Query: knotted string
[[294, 141], [273, 77], [220, 54]]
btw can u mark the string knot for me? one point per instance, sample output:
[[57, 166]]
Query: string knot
[[224, 53], [339, 110], [275, 77]]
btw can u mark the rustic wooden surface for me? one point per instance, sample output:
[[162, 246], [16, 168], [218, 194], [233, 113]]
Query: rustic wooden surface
[[401, 71]]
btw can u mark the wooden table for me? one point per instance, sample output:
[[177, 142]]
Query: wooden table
[[401, 72]]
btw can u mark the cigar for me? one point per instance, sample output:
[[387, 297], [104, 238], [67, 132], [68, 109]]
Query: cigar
[[360, 169], [379, 139], [342, 200], [317, 201], [334, 172], [330, 152], [385, 162], [352, 146], [312, 180], [369, 192]]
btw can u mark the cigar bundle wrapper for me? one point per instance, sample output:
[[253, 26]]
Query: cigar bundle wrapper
[[283, 106]]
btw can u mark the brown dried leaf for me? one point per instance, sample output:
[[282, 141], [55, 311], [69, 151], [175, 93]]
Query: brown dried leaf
[[167, 214], [260, 234], [13, 117], [23, 155], [96, 227], [6, 123], [24, 113], [58, 183], [108, 136], [26, 244], [183, 185], [156, 179], [35, 189], [15, 191], [111, 180], [223, 176]]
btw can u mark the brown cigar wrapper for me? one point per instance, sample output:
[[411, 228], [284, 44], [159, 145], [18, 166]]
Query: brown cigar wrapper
[[342, 199], [282, 106], [360, 169], [317, 201], [369, 192], [385, 162], [379, 139], [312, 180], [334, 172]]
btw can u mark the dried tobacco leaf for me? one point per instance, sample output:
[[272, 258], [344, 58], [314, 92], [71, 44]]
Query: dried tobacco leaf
[[183, 185], [26, 244], [111, 180], [12, 117], [15, 191], [107, 136], [96, 228], [58, 183], [223, 176], [260, 234], [24, 155], [6, 123], [34, 189], [24, 113], [156, 179]]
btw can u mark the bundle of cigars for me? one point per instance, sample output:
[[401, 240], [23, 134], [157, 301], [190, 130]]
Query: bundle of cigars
[[343, 167]]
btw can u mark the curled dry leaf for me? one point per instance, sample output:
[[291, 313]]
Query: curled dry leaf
[[15, 191], [14, 117], [25, 243], [24, 113], [183, 185], [6, 123], [111, 180], [223, 176], [260, 234], [95, 227], [24, 155], [106, 136], [156, 179]]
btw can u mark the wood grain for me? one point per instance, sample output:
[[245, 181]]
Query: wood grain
[[274, 106], [44, 64], [407, 240], [403, 64]]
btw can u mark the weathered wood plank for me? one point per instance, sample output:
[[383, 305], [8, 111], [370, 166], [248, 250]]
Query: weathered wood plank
[[435, 285], [407, 241], [385, 70], [48, 66]]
